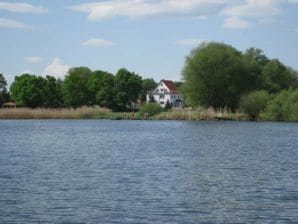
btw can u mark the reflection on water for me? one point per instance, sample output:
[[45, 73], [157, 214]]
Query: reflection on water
[[148, 172]]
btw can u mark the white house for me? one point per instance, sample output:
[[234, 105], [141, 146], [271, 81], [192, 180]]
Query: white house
[[166, 91]]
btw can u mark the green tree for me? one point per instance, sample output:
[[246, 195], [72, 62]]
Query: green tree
[[52, 92], [28, 90], [101, 86], [254, 103], [3, 91], [215, 75], [147, 85], [75, 87], [128, 88], [277, 76], [257, 55]]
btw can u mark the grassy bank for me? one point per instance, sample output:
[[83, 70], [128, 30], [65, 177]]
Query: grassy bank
[[63, 113]]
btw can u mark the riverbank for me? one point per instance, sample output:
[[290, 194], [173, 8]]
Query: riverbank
[[102, 113]]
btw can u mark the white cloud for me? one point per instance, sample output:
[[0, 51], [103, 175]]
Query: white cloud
[[254, 8], [33, 60], [98, 43], [8, 23], [57, 68], [141, 8], [235, 22], [191, 42], [21, 7]]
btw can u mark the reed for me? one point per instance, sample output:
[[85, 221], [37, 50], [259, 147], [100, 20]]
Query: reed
[[59, 113], [198, 114]]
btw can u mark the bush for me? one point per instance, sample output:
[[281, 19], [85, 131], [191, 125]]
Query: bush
[[283, 107], [254, 103], [151, 109]]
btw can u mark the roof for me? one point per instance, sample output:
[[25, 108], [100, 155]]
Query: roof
[[171, 85]]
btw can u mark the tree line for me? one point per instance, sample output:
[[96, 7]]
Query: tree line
[[80, 87], [214, 75], [220, 76]]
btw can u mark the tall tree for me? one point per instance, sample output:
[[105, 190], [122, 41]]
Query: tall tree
[[52, 92], [101, 86], [128, 88], [3, 90], [147, 85], [28, 90], [277, 76], [214, 75], [75, 87]]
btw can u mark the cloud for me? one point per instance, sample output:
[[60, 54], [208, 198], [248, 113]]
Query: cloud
[[57, 68], [97, 43], [254, 8], [191, 42], [21, 7], [33, 60], [8, 23], [236, 23], [141, 8]]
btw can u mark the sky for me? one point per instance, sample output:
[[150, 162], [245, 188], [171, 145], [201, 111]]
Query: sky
[[150, 37]]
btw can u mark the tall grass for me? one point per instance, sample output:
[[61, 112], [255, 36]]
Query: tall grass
[[61, 113], [198, 114]]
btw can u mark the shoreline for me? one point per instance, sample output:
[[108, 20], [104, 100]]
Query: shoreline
[[91, 113]]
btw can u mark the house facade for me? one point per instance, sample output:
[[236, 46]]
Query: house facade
[[166, 92]]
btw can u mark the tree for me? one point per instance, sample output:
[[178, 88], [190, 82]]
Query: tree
[[75, 87], [128, 88], [3, 90], [147, 85], [257, 55], [28, 90], [52, 92], [214, 75], [101, 86], [277, 76], [254, 103]]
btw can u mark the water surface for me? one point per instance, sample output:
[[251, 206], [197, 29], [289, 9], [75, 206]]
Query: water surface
[[148, 172]]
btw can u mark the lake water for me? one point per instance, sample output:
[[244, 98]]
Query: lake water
[[89, 171]]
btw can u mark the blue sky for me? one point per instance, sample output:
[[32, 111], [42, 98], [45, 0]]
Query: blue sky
[[149, 37]]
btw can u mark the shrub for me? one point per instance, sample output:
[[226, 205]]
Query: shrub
[[283, 107], [254, 103], [151, 109]]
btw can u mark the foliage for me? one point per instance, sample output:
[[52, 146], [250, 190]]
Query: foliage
[[147, 85], [3, 92], [254, 103], [151, 109], [52, 92], [277, 76], [101, 86], [36, 91], [75, 87], [214, 76], [217, 75], [128, 88], [283, 107], [28, 90]]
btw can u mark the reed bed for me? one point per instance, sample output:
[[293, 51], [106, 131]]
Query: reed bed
[[199, 114], [58, 113]]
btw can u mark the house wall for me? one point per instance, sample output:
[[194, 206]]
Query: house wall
[[162, 94]]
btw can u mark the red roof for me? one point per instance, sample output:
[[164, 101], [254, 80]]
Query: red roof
[[171, 85]]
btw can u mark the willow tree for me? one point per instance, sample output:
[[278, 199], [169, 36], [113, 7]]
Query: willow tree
[[214, 75]]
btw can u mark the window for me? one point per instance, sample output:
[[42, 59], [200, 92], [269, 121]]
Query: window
[[162, 96]]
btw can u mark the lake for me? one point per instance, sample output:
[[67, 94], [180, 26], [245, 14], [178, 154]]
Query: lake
[[101, 171]]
